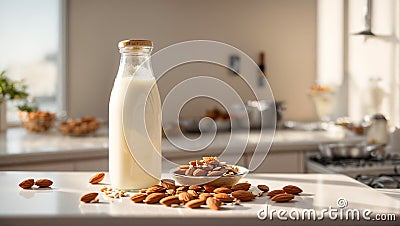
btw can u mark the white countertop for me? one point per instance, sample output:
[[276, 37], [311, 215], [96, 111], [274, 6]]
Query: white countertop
[[60, 205], [19, 146]]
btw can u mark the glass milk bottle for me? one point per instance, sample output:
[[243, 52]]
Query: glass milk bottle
[[134, 120]]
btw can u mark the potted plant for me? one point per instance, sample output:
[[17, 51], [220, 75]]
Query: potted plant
[[9, 90]]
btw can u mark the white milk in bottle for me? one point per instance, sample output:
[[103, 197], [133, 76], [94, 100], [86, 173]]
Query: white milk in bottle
[[134, 120]]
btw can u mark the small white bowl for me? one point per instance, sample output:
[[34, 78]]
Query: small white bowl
[[217, 181]]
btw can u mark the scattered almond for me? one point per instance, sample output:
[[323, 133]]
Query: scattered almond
[[26, 184], [241, 186], [223, 197], [195, 188], [168, 183], [243, 196], [208, 188], [97, 178], [168, 201], [291, 189], [43, 183], [275, 192], [193, 193], [185, 197], [155, 189], [154, 198], [87, 198], [213, 204], [223, 190], [196, 203], [284, 197], [263, 188], [204, 196], [138, 197]]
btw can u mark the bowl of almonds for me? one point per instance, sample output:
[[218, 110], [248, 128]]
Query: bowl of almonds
[[208, 171]]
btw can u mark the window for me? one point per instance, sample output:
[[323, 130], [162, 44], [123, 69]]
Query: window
[[31, 44]]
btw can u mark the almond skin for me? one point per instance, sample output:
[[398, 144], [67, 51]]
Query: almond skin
[[241, 186], [213, 204], [215, 173], [86, 198], [138, 197], [223, 197], [97, 178], [196, 203], [222, 190], [243, 195], [275, 192], [154, 198], [168, 201], [291, 189], [185, 197], [284, 197], [26, 184], [263, 188], [43, 183]]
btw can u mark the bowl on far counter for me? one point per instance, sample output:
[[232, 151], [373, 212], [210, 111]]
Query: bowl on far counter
[[37, 121], [80, 127], [216, 181]]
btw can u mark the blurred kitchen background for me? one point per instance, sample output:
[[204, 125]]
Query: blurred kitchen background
[[333, 67]]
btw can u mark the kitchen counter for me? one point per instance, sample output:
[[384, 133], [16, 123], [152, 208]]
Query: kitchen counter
[[60, 205], [17, 146]]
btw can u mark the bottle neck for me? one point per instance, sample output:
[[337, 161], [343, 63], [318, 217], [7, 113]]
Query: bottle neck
[[135, 64]]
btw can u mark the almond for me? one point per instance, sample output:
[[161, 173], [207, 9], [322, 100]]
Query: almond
[[180, 171], [243, 195], [215, 173], [209, 159], [275, 192], [26, 184], [284, 197], [263, 188], [195, 188], [223, 197], [185, 197], [182, 188], [223, 190], [189, 172], [241, 186], [170, 192], [154, 198], [97, 178], [155, 189], [291, 189], [86, 198], [204, 196], [208, 188], [196, 203], [193, 193], [184, 167], [199, 172], [168, 201], [168, 183], [43, 183], [138, 197], [213, 204]]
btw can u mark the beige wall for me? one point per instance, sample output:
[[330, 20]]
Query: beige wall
[[284, 29]]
